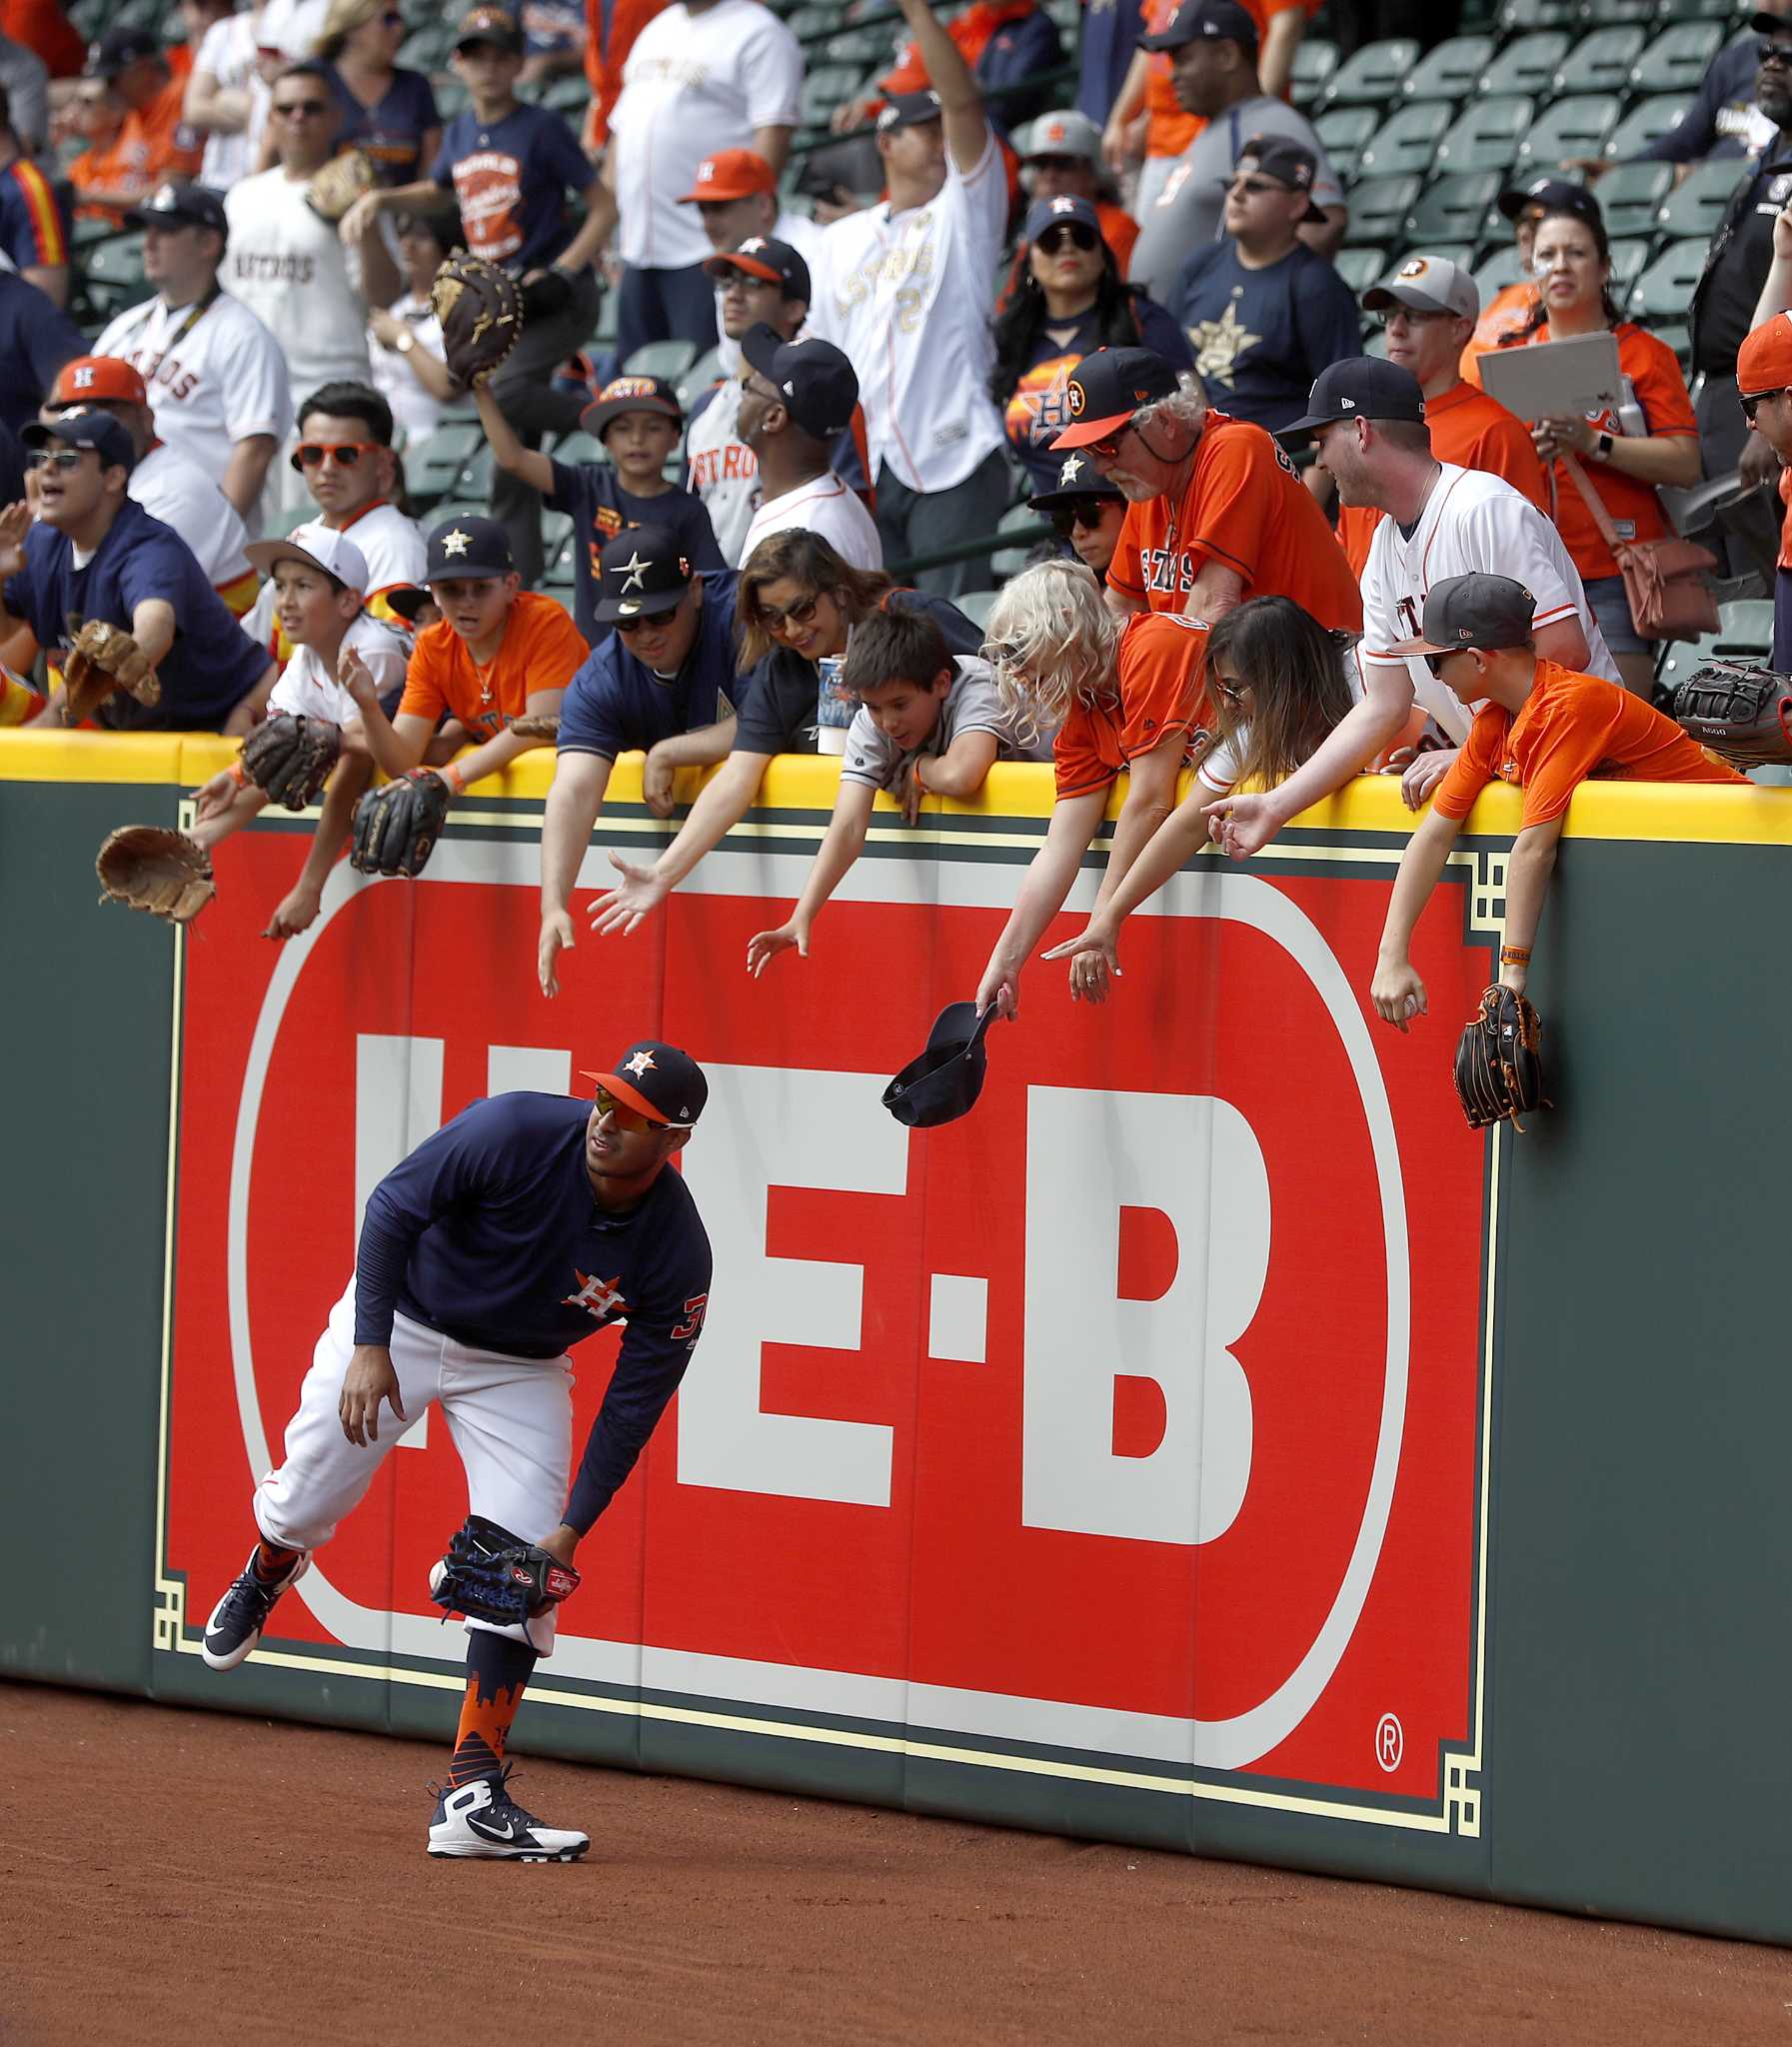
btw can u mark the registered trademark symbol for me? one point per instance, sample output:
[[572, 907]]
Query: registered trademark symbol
[[1389, 1741]]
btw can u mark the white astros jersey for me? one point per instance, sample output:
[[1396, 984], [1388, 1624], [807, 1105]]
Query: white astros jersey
[[724, 471], [178, 492], [215, 377], [1472, 522], [306, 686], [290, 269], [907, 297]]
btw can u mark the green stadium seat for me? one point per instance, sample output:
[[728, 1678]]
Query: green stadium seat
[[1630, 195], [1500, 268], [570, 95], [1459, 252], [431, 466], [1486, 135], [1569, 129], [1372, 74], [475, 479], [1379, 206], [1610, 13], [1629, 259], [707, 370], [1601, 62], [1517, 16], [457, 509], [1529, 64], [1454, 209], [1407, 141], [1684, 657], [1345, 131], [1374, 340], [1453, 71], [557, 528], [977, 604], [668, 359], [1697, 202], [1664, 290], [1360, 268], [1745, 625], [827, 87], [1647, 121], [1315, 62], [1675, 61], [1010, 561], [578, 446], [1696, 10]]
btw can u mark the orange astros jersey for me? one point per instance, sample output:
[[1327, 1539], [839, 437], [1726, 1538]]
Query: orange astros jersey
[[541, 650], [1159, 673]]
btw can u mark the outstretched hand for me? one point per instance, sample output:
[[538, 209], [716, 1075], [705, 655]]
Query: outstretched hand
[[764, 947], [1094, 958], [616, 913], [15, 523], [1241, 825]]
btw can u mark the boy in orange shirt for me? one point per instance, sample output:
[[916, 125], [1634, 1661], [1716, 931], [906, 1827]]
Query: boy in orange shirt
[[1543, 728], [498, 653], [1764, 385]]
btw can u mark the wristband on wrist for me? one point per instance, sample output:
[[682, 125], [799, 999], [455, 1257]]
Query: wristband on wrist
[[1514, 956], [238, 772], [451, 773]]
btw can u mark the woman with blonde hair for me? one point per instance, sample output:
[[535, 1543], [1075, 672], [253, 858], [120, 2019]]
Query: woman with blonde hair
[[1127, 698], [388, 113]]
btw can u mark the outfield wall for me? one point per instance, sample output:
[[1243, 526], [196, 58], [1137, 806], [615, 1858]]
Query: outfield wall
[[1209, 1444]]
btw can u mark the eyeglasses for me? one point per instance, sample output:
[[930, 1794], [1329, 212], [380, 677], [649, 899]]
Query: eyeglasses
[[1755, 397], [1231, 690], [1435, 662], [630, 1119], [801, 614], [1251, 187], [1074, 234], [297, 110], [1776, 55], [1077, 512], [344, 454], [1414, 316], [63, 459], [394, 19]]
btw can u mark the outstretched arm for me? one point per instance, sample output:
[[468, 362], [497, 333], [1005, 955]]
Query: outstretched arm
[[961, 103], [528, 465], [1075, 821], [574, 802], [1527, 883], [1174, 845], [721, 804], [840, 848], [1396, 992]]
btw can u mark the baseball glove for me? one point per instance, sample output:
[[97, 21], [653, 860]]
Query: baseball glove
[[1739, 710], [536, 724], [104, 659], [396, 828], [1499, 1070], [148, 868], [339, 184], [490, 1574], [481, 315], [289, 757]]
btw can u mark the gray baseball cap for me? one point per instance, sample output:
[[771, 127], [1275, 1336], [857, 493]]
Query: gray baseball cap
[[1428, 284], [1068, 133], [1488, 612]]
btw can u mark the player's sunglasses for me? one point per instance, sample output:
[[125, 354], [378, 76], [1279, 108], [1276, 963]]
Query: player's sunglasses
[[623, 1118], [1755, 397], [344, 454], [627, 626], [54, 458], [801, 614], [1077, 512], [302, 110], [1074, 234]]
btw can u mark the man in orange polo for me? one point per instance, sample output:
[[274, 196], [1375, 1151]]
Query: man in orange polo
[[1429, 306]]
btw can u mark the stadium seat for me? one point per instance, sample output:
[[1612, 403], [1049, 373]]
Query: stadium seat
[[557, 528], [1374, 340], [1360, 268], [1453, 71], [1696, 10], [1379, 206], [1372, 75], [1529, 64], [1315, 62], [1646, 122], [707, 370], [1675, 61], [1629, 259], [1664, 290], [977, 604], [1630, 195], [1345, 131], [1454, 209], [1745, 625], [569, 96], [1516, 16], [1601, 62], [433, 464], [1568, 129], [668, 359], [1486, 135], [475, 478], [1684, 657], [1405, 143], [1500, 268], [1609, 13], [1696, 205], [1010, 561], [825, 88], [114, 273]]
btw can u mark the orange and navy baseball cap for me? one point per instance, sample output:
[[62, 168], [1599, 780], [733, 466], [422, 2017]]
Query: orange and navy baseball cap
[[88, 379], [1104, 390], [659, 1082], [729, 174], [494, 25], [631, 394], [1764, 361], [771, 261]]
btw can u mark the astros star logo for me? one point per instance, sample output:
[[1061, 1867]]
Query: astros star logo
[[1064, 203], [1219, 343], [637, 575], [598, 1297], [456, 542], [1070, 473], [638, 1063]]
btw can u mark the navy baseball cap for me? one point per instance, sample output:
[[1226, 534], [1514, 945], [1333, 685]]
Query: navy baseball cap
[[1556, 194], [494, 25], [818, 384], [1105, 389], [642, 573], [476, 549], [1359, 388], [909, 110], [1078, 477], [80, 427], [659, 1082], [631, 394], [945, 1080], [1287, 162], [118, 49], [771, 261], [1200, 20], [181, 206], [1477, 610], [1052, 212]]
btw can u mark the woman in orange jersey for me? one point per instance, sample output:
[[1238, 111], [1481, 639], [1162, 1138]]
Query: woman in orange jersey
[[1126, 699]]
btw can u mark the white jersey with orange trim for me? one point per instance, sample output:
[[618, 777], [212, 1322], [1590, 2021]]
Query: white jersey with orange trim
[[1473, 523], [907, 297], [723, 469], [825, 506], [179, 493]]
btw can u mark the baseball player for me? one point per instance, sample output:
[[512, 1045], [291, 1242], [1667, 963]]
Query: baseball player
[[216, 378], [1540, 727], [524, 1225], [1368, 420]]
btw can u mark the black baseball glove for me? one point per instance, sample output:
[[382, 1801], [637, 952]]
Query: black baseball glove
[[289, 757], [481, 313], [1499, 1071], [494, 1575], [1739, 710], [396, 828]]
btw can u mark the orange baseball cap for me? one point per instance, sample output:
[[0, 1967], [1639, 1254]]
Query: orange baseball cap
[[731, 174], [1764, 361], [90, 377]]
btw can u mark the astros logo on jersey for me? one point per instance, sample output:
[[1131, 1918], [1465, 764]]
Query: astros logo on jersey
[[599, 1299]]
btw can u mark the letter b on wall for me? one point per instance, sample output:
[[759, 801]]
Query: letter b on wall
[[1194, 1160]]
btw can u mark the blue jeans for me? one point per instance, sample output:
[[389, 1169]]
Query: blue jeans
[[664, 305]]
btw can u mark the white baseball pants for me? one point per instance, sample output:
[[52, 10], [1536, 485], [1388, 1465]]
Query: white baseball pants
[[511, 1419]]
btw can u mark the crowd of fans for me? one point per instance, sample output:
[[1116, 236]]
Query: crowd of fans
[[1099, 279]]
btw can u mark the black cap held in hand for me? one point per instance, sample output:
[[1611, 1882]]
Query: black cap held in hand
[[945, 1080]]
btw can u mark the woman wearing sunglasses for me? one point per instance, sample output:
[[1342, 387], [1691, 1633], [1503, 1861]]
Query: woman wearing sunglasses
[[1068, 301], [389, 113], [1085, 512]]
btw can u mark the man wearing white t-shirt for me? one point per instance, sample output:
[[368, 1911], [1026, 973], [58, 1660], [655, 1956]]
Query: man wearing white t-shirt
[[216, 376], [703, 76], [906, 290], [289, 265], [1366, 419], [798, 398], [736, 196]]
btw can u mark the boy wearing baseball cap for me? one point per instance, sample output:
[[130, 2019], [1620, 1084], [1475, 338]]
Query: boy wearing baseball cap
[[1764, 387], [639, 419], [1542, 727]]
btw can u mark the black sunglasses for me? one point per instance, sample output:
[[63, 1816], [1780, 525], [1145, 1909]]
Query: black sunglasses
[[1756, 398], [627, 626], [1775, 54], [1074, 511], [1077, 233]]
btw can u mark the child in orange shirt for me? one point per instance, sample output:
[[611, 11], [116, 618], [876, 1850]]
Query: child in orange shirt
[[1543, 728]]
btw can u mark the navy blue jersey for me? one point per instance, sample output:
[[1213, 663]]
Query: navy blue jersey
[[35, 341], [33, 217], [1110, 36], [488, 1233], [600, 509], [616, 703], [777, 700], [212, 665], [1723, 120], [391, 131], [1018, 51], [1260, 337], [512, 180]]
